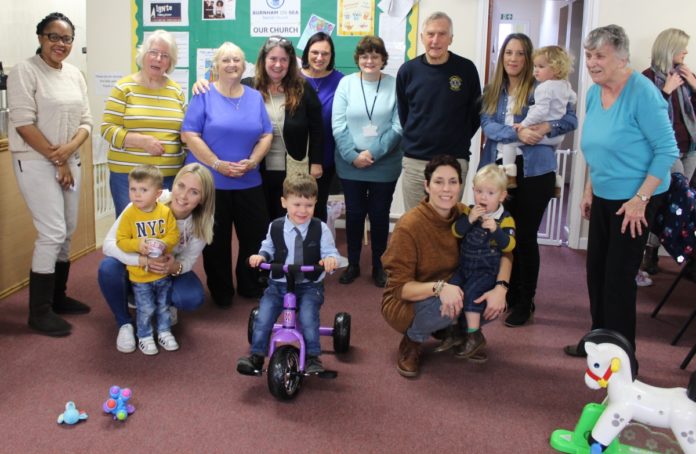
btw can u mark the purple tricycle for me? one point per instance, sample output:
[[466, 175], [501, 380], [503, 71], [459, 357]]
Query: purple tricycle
[[287, 362]]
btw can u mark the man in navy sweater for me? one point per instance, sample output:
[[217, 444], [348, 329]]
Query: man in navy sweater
[[438, 95]]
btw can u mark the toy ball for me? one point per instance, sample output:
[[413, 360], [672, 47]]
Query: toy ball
[[71, 415]]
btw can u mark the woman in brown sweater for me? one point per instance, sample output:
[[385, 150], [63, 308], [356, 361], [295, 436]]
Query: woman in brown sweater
[[421, 257]]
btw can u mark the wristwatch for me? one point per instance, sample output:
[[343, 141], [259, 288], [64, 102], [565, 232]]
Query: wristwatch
[[504, 284], [644, 198]]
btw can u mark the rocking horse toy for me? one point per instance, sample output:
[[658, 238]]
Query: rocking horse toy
[[611, 364]]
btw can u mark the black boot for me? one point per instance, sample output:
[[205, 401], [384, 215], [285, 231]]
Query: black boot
[[41, 315], [63, 304], [690, 272], [650, 258]]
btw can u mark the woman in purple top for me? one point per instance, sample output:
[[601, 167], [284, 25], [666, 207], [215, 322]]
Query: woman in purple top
[[318, 61], [231, 110]]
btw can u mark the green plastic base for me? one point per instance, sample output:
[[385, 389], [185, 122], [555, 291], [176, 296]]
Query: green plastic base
[[575, 442]]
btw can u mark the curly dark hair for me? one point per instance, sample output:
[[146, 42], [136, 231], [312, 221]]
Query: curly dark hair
[[41, 26]]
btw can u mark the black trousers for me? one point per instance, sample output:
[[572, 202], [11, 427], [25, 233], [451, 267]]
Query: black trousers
[[245, 210], [613, 259], [273, 191], [324, 184], [527, 204]]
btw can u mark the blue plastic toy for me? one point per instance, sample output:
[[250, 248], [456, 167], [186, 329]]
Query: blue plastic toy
[[117, 404], [71, 415]]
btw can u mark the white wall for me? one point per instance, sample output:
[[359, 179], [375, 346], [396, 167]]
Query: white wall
[[18, 22]]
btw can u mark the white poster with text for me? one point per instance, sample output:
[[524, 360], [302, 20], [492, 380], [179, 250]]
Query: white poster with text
[[275, 17]]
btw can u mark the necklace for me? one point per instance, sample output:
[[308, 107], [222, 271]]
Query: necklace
[[235, 104], [316, 86]]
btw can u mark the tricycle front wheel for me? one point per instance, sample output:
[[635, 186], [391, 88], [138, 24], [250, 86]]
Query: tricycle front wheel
[[284, 375]]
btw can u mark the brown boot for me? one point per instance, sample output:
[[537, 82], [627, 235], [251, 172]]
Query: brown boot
[[474, 342], [408, 364]]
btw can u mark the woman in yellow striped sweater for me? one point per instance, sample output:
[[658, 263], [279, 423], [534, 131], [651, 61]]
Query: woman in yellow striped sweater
[[143, 116]]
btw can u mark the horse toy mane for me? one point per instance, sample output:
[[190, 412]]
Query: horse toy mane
[[611, 364]]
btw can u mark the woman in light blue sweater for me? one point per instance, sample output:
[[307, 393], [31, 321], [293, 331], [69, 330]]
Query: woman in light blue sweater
[[629, 145], [368, 160]]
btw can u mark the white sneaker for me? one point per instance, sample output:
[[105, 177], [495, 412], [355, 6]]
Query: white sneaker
[[167, 341], [643, 279], [173, 315], [147, 345], [125, 342]]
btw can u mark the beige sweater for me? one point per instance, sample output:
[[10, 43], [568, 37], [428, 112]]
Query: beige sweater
[[422, 248], [55, 100]]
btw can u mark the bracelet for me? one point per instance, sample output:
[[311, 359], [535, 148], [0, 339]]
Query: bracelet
[[504, 284], [146, 264], [216, 164], [179, 270], [437, 288]]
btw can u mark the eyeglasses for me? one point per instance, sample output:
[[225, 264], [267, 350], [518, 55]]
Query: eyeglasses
[[55, 37], [158, 54]]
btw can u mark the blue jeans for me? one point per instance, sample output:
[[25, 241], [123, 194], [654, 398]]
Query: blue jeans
[[150, 297], [118, 183], [427, 319], [310, 297], [373, 199], [187, 291]]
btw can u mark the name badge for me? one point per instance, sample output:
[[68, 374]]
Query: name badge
[[370, 130]]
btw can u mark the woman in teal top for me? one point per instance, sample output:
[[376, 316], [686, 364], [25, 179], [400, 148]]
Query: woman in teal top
[[629, 146], [367, 131]]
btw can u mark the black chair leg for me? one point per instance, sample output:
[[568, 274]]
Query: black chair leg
[[688, 357], [669, 292], [683, 328]]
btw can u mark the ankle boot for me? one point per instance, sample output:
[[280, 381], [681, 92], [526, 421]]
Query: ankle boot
[[650, 258], [41, 315], [63, 304], [408, 363]]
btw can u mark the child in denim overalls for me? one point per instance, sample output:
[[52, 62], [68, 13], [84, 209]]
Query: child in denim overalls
[[487, 230]]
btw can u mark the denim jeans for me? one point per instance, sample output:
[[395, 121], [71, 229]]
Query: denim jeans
[[187, 290], [427, 319], [151, 297], [373, 199], [118, 183], [310, 297]]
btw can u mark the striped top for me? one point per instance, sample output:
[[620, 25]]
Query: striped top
[[155, 112]]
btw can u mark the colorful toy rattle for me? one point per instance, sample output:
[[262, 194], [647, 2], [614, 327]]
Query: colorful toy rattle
[[117, 404], [71, 415]]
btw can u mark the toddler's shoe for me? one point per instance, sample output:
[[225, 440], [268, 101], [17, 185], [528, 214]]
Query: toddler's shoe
[[511, 172], [147, 345], [125, 342], [250, 365], [167, 341], [449, 342], [314, 365], [474, 342]]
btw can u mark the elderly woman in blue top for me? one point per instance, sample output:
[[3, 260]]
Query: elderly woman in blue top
[[367, 131], [629, 146], [506, 100], [228, 130]]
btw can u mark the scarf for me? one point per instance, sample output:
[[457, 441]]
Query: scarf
[[684, 95]]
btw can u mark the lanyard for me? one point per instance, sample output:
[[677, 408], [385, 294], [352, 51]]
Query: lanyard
[[369, 112]]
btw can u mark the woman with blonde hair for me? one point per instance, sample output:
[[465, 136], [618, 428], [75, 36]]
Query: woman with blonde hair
[[506, 101], [142, 117], [192, 202], [228, 129], [677, 84]]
